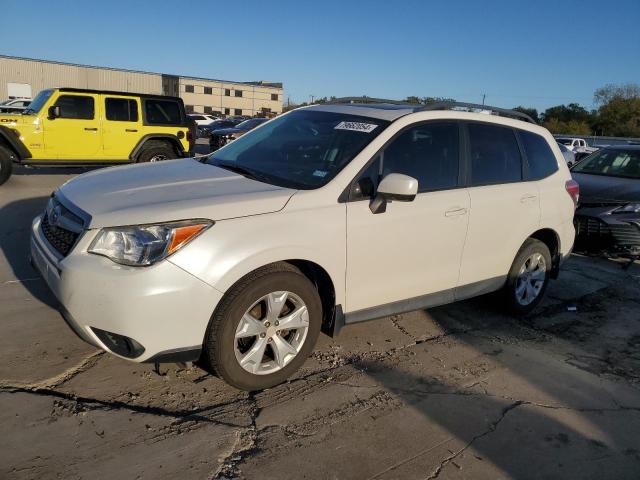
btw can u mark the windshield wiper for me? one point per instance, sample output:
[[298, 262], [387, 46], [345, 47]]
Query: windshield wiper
[[245, 172]]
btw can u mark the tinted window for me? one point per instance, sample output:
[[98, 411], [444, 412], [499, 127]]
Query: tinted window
[[162, 112], [121, 109], [75, 106], [303, 149], [542, 162], [429, 153], [495, 156]]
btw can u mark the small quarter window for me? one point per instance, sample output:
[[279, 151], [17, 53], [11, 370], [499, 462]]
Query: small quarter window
[[540, 159]]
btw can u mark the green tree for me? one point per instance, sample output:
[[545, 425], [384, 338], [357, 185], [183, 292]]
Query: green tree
[[568, 113], [619, 110]]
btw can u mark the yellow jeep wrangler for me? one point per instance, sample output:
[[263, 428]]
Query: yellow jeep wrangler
[[70, 126]]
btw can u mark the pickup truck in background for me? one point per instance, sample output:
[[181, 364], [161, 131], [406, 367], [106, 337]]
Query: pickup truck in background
[[578, 146]]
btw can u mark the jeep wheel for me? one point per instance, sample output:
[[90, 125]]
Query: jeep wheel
[[156, 152], [264, 328], [528, 277], [6, 164]]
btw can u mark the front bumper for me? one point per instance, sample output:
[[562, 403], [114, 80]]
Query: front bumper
[[163, 308], [602, 232]]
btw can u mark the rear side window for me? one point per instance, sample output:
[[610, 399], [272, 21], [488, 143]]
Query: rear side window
[[162, 112], [121, 109], [75, 106], [495, 155], [428, 153], [542, 162]]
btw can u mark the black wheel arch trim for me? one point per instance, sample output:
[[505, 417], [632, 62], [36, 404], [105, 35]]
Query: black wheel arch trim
[[176, 355], [175, 141], [14, 142]]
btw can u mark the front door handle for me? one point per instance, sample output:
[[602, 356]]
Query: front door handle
[[528, 198], [91, 129], [455, 212]]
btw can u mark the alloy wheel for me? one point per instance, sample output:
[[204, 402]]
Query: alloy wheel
[[271, 333], [531, 279]]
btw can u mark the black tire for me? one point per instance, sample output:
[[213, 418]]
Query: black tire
[[155, 150], [219, 344], [530, 247], [6, 164]]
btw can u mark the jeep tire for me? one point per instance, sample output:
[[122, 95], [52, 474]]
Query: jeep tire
[[6, 164], [156, 151]]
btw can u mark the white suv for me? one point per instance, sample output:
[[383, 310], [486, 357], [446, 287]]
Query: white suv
[[323, 217]]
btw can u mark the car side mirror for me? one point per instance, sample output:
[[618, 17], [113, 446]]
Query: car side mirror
[[395, 186], [54, 112]]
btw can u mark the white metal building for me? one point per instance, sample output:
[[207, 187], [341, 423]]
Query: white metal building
[[25, 77]]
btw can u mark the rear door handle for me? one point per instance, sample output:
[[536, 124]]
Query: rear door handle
[[91, 129], [528, 198], [130, 130], [455, 212]]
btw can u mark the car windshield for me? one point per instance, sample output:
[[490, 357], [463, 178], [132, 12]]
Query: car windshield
[[303, 149], [37, 103], [611, 163]]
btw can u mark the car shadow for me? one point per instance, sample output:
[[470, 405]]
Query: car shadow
[[16, 218], [559, 423]]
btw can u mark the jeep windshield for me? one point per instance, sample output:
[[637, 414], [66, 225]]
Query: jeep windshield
[[37, 103], [304, 149]]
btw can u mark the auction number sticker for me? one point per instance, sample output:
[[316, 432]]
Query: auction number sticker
[[356, 127]]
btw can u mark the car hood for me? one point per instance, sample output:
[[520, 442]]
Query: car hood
[[603, 189], [170, 190]]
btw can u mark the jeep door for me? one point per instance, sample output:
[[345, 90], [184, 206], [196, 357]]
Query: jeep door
[[121, 126], [413, 248], [76, 133], [505, 210]]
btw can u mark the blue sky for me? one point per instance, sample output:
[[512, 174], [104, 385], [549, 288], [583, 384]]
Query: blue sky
[[534, 53]]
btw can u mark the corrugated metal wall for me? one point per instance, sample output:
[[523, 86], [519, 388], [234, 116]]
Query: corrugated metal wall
[[41, 75]]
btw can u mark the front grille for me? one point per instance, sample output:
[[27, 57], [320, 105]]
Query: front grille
[[59, 238], [592, 234]]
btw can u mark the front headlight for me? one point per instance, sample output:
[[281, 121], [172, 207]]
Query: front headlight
[[143, 245], [628, 208]]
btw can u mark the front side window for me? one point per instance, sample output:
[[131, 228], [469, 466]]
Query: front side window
[[163, 112], [495, 155], [611, 163], [303, 149], [428, 152], [541, 160], [121, 109], [77, 107]]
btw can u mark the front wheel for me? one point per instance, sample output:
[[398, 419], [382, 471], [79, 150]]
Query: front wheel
[[264, 328], [6, 164], [528, 277]]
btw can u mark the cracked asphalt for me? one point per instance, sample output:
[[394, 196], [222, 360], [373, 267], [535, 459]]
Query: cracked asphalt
[[454, 392]]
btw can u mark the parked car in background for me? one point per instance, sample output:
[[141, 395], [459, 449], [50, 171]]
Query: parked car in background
[[16, 105], [578, 146], [203, 118], [240, 260], [221, 137], [568, 155], [608, 216], [71, 126], [204, 131]]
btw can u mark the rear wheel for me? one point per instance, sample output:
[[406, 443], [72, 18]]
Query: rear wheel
[[6, 164], [528, 277], [156, 151], [264, 328]]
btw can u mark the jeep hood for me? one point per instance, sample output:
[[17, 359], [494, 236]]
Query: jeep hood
[[166, 191]]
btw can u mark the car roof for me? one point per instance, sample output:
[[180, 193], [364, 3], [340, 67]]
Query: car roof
[[381, 111]]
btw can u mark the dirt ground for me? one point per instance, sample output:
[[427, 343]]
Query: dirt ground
[[455, 392]]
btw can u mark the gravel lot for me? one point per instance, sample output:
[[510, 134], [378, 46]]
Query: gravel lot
[[454, 392]]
